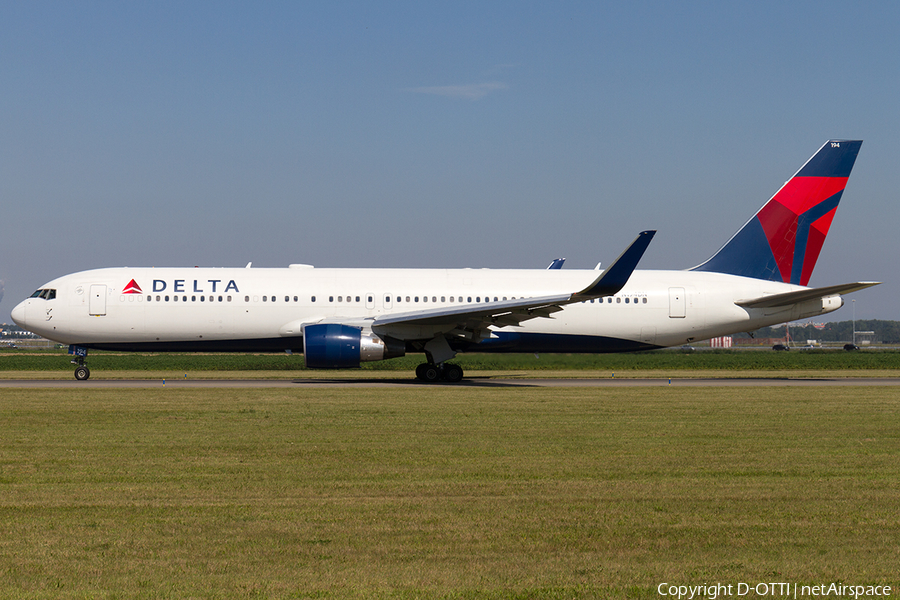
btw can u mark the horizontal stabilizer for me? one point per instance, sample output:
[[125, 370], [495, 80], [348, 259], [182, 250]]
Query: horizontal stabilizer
[[616, 276], [790, 298]]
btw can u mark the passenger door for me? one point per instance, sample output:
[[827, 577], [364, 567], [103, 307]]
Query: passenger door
[[97, 301]]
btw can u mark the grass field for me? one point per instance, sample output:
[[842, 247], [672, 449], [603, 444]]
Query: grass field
[[748, 363], [444, 492]]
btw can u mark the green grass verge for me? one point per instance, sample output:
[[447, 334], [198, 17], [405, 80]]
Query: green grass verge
[[444, 492], [660, 361]]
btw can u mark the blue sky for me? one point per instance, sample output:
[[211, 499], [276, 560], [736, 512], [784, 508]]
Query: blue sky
[[457, 135]]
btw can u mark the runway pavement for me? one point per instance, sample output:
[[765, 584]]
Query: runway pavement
[[481, 382]]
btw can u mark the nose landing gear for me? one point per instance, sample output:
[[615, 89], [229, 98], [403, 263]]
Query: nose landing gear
[[82, 373]]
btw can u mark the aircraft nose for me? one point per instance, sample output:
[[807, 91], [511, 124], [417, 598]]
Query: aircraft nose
[[18, 314]]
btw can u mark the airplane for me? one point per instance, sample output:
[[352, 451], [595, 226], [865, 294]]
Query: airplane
[[339, 318]]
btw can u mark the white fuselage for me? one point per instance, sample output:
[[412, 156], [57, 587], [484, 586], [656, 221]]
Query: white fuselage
[[265, 309]]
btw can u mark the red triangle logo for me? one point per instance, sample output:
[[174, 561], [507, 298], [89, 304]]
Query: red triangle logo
[[132, 288]]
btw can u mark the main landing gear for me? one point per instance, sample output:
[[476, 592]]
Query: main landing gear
[[82, 373], [431, 373]]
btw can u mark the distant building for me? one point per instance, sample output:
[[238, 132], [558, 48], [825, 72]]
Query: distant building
[[721, 342], [864, 338]]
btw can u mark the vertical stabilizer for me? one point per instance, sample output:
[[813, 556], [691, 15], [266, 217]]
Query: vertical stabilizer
[[783, 240]]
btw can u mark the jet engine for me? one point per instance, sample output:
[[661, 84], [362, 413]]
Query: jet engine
[[337, 346]]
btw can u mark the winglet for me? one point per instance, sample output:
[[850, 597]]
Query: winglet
[[556, 264], [616, 276]]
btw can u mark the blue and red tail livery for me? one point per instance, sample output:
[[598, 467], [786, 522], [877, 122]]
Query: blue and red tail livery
[[783, 240]]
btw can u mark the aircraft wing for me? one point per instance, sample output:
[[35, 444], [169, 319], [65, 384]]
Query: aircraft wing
[[789, 298], [478, 317], [507, 312]]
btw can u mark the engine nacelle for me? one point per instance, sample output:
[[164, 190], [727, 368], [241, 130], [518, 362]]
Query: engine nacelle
[[337, 346]]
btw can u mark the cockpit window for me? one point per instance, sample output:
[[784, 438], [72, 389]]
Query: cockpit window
[[46, 294]]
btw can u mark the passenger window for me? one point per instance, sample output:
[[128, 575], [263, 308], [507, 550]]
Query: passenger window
[[626, 300], [246, 298], [644, 300], [202, 298], [265, 298], [443, 298], [618, 301], [313, 298], [167, 298], [357, 298], [331, 298]]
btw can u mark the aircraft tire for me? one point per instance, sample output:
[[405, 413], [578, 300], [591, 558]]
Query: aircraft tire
[[452, 373], [430, 373], [82, 373]]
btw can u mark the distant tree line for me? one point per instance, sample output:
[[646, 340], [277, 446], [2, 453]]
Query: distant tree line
[[887, 332]]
